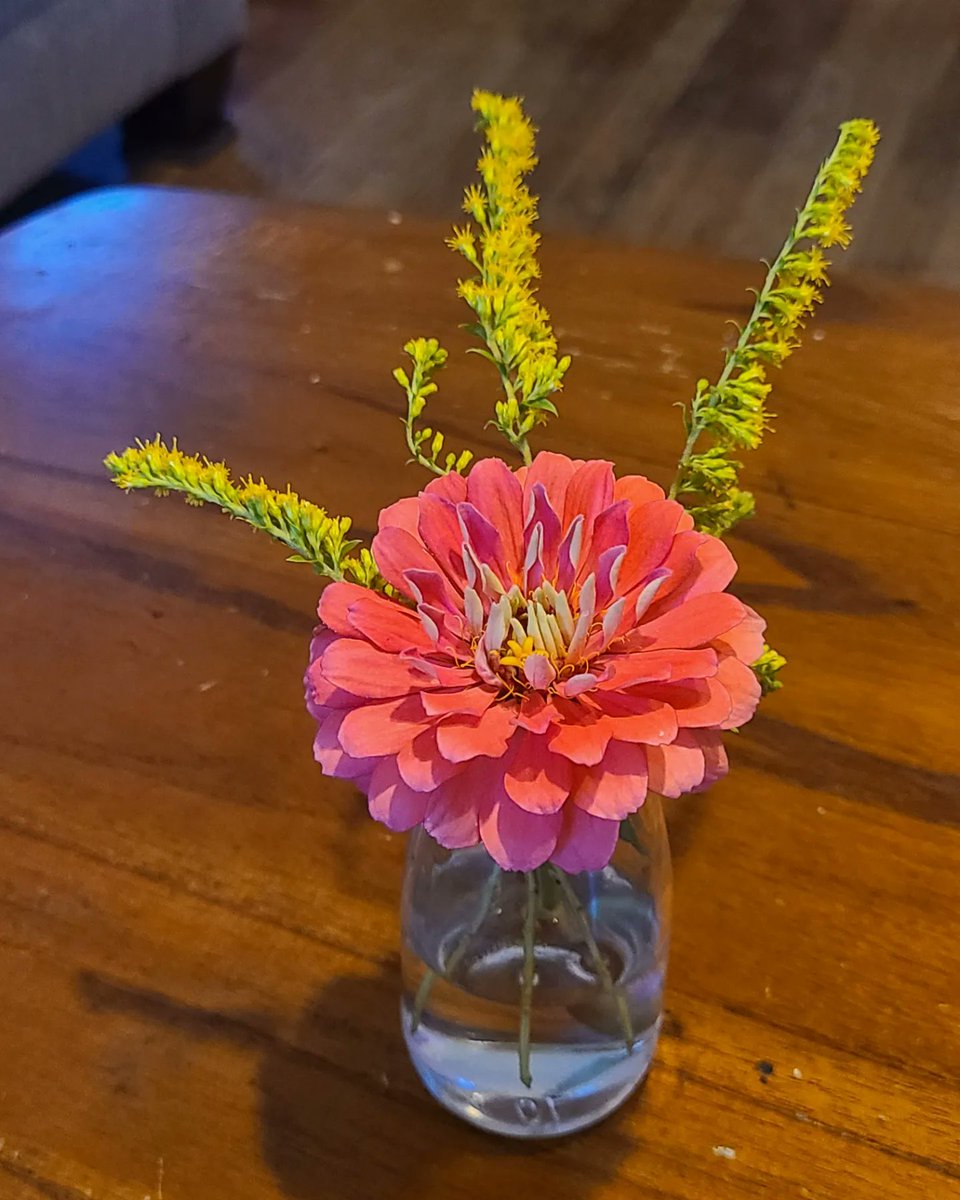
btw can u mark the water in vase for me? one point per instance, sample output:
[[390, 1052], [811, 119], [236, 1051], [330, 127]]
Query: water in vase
[[599, 960]]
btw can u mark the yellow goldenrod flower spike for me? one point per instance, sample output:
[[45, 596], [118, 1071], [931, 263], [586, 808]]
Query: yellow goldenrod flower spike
[[732, 411], [302, 527], [502, 250], [514, 327], [427, 356], [766, 669]]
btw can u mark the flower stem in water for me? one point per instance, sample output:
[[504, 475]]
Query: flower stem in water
[[487, 897], [527, 979], [602, 969]]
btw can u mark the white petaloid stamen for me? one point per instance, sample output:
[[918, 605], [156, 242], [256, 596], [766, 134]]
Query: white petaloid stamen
[[533, 627], [550, 631], [648, 594], [564, 616], [490, 581], [429, 626], [588, 595], [515, 596], [558, 639], [469, 565], [518, 631], [533, 548], [576, 541], [588, 604], [497, 625], [546, 593], [482, 663], [615, 569], [583, 682], [539, 671], [541, 632], [473, 606], [579, 636], [611, 620]]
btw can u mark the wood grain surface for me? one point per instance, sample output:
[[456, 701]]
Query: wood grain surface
[[676, 123], [198, 933]]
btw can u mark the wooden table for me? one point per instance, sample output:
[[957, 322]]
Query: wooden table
[[198, 933]]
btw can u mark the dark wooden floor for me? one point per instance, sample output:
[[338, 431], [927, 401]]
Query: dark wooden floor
[[664, 122]]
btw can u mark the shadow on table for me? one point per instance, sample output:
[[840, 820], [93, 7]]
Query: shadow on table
[[344, 1114]]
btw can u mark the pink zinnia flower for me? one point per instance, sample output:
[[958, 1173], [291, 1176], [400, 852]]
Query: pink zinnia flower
[[566, 644]]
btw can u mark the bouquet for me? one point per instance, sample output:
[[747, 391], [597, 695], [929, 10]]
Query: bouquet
[[529, 649]]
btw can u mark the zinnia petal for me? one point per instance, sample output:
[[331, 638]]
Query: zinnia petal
[[652, 531], [696, 702], [439, 530], [743, 688], [382, 728], [554, 471], [715, 758], [542, 513], [534, 777], [637, 489], [484, 538], [470, 701], [641, 720], [692, 624], [675, 769], [330, 754], [421, 765], [396, 551], [402, 514], [589, 491], [611, 528], [515, 839], [746, 639], [382, 622], [391, 801], [583, 741], [361, 669], [651, 666], [496, 492], [586, 842], [452, 487], [617, 786], [454, 810], [334, 604], [462, 737]]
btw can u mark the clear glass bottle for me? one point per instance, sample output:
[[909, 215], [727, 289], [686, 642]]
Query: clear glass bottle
[[532, 1001]]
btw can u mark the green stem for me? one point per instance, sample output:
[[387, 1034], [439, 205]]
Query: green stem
[[415, 454], [547, 892], [487, 897], [527, 979], [603, 970], [629, 835], [795, 235], [517, 440]]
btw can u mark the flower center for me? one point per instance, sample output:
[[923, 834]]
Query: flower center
[[533, 640]]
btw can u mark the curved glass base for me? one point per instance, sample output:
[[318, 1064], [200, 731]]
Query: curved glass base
[[574, 1085]]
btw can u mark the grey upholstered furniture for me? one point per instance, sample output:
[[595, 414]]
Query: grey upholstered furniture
[[70, 68]]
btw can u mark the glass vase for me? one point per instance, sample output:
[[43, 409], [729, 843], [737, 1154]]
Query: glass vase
[[532, 1000]]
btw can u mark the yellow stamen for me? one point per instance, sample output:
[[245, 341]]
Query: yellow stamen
[[519, 652]]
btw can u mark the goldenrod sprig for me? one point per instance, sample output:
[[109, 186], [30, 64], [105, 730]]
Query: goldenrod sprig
[[732, 411], [427, 356], [302, 527], [513, 326], [766, 669]]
